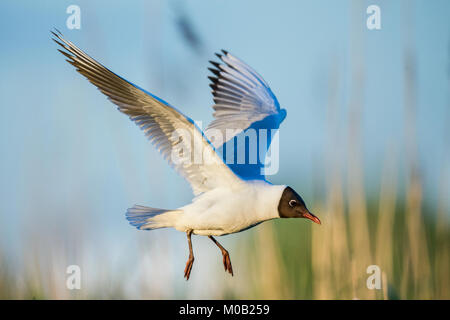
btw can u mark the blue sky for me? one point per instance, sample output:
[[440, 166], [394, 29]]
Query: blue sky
[[69, 156]]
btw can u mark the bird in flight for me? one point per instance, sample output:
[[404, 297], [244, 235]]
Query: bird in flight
[[225, 201]]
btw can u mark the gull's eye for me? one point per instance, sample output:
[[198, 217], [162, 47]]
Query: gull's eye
[[292, 203]]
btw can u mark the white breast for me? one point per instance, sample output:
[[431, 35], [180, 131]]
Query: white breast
[[224, 210]]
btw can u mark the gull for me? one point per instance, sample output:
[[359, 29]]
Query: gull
[[223, 203]]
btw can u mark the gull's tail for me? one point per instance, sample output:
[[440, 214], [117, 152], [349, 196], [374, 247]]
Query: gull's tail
[[146, 218]]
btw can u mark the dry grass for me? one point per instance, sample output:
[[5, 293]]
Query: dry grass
[[411, 249]]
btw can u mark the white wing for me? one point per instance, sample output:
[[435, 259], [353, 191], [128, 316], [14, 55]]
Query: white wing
[[241, 98], [158, 120]]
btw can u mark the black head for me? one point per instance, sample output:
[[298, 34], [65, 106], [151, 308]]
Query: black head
[[292, 206]]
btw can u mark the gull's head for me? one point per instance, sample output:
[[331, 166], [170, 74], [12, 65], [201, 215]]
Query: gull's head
[[291, 205]]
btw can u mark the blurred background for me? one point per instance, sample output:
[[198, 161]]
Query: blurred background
[[366, 143]]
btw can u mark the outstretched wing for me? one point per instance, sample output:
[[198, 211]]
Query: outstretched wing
[[241, 98], [173, 134]]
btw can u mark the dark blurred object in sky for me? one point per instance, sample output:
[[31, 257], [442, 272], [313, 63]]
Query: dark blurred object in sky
[[186, 27]]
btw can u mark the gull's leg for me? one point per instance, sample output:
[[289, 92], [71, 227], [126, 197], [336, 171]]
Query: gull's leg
[[190, 262], [225, 255]]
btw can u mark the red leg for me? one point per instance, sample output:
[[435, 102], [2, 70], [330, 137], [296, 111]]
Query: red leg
[[225, 255], [190, 262]]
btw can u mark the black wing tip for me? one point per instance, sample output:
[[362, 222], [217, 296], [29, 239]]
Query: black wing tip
[[213, 85], [56, 33], [57, 37], [68, 55], [214, 82], [215, 64], [62, 45], [214, 71], [222, 53]]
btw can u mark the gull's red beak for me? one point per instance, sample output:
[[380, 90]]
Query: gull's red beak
[[311, 217]]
